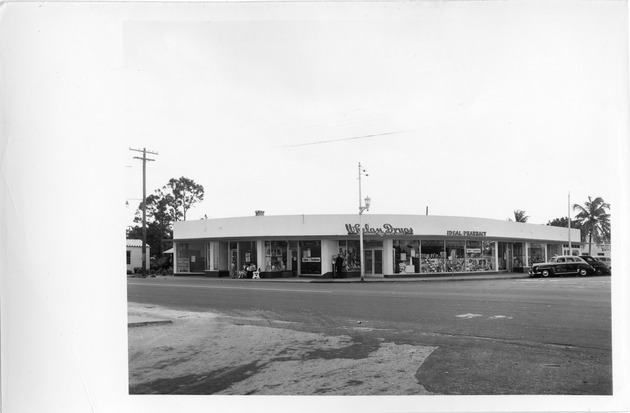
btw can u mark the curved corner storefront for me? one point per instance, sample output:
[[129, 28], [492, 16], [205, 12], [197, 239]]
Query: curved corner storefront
[[394, 245]]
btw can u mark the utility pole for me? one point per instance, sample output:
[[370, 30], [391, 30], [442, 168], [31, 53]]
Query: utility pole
[[144, 160]]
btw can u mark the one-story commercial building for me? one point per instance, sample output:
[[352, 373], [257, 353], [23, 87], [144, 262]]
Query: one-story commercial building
[[134, 255], [394, 245]]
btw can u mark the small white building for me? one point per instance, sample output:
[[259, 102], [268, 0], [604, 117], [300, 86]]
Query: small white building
[[134, 254]]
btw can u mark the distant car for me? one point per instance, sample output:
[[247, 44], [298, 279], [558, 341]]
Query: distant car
[[605, 260], [600, 267], [561, 265]]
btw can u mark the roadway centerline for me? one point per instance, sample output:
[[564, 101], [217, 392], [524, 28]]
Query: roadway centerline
[[233, 288]]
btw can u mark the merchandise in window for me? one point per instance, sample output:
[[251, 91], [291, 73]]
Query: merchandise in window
[[519, 255], [350, 253], [536, 253], [275, 255], [432, 256], [455, 258], [311, 257], [406, 256], [480, 255], [191, 257]]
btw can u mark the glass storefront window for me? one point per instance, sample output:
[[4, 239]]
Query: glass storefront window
[[432, 256], [455, 261], [406, 256], [553, 249], [350, 252], [536, 253], [311, 257], [480, 255], [275, 255], [191, 257], [213, 256]]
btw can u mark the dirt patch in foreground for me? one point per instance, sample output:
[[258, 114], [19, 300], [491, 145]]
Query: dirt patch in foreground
[[205, 353]]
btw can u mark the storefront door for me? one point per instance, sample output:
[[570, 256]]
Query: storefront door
[[505, 256], [373, 259]]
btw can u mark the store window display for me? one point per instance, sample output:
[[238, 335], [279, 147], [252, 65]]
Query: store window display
[[191, 257], [432, 256], [455, 258], [536, 253], [275, 255], [480, 255], [406, 256], [519, 255], [349, 250], [311, 257]]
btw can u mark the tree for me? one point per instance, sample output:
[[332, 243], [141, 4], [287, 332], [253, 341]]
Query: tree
[[595, 220], [185, 194], [165, 206], [562, 222], [519, 216]]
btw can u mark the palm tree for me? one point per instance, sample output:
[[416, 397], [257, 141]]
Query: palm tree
[[519, 216], [595, 220]]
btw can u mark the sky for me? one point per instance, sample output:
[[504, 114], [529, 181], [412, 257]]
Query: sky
[[465, 108]]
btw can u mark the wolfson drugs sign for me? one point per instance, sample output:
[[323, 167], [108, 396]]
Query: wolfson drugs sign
[[386, 229]]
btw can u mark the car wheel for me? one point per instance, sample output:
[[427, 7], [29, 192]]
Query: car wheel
[[545, 273], [582, 272], [599, 271]]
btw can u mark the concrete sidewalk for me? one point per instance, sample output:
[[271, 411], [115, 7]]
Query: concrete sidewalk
[[368, 279], [440, 277]]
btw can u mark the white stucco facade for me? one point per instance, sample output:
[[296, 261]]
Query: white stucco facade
[[394, 244], [134, 254]]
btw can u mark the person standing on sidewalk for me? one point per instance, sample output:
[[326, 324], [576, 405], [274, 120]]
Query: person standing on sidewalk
[[338, 266]]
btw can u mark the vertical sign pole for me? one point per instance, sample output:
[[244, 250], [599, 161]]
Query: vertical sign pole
[[569, 221], [360, 229]]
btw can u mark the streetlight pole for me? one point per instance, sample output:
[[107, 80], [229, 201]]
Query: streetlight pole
[[361, 209], [569, 221]]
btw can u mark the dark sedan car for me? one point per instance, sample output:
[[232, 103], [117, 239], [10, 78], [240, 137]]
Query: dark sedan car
[[561, 265], [600, 267]]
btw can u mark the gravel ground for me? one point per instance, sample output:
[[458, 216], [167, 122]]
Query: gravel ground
[[205, 353]]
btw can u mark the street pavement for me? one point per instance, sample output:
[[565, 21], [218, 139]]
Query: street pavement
[[138, 321], [506, 334]]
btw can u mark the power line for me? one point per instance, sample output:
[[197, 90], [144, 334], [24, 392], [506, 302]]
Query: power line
[[345, 139], [144, 160]]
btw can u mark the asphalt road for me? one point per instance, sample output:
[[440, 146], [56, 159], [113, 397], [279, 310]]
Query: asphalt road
[[524, 336]]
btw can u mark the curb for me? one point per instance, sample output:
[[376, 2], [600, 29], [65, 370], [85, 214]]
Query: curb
[[442, 278], [432, 279], [139, 322]]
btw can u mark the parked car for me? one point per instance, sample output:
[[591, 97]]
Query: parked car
[[561, 265], [600, 267], [605, 260]]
